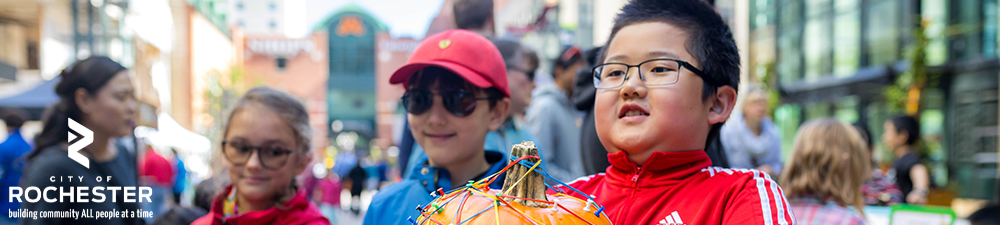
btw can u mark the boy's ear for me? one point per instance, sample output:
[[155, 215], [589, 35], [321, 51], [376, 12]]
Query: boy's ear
[[722, 105], [499, 113]]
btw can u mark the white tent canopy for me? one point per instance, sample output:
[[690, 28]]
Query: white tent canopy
[[193, 148]]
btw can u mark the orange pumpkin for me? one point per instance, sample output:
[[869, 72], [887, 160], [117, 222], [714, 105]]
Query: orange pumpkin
[[523, 200]]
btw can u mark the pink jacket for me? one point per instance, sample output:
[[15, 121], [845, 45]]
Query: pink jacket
[[298, 211]]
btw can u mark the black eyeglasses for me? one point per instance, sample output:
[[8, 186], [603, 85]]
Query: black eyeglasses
[[653, 72], [460, 103], [239, 152], [529, 73]]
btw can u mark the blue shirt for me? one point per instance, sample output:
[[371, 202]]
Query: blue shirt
[[180, 180], [397, 202], [11, 161], [501, 140]]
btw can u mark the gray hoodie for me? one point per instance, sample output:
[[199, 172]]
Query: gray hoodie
[[746, 150], [552, 119]]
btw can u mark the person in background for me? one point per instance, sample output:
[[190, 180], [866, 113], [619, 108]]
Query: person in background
[[11, 162], [97, 93], [475, 16], [358, 177], [262, 165], [553, 119], [180, 178], [329, 196], [456, 93], [817, 194], [750, 138], [520, 78], [593, 154], [900, 135], [880, 190], [157, 173]]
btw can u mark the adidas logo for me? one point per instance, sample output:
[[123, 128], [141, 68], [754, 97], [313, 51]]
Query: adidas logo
[[672, 219]]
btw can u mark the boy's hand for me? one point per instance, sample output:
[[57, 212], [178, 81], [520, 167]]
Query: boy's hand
[[766, 169]]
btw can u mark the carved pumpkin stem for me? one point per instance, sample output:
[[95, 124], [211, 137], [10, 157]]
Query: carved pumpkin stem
[[532, 185]]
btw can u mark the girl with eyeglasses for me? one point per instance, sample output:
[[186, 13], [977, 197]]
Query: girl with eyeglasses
[[265, 145]]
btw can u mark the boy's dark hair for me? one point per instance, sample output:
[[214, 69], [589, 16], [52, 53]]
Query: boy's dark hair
[[14, 118], [447, 80], [472, 14], [508, 50], [568, 56], [532, 57], [710, 40], [908, 124]]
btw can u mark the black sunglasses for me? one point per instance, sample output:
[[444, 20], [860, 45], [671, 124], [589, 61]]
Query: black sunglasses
[[460, 103]]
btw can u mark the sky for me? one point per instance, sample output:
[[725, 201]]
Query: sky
[[405, 18]]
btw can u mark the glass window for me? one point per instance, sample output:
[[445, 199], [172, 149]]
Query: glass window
[[847, 38], [816, 44], [936, 13], [790, 42], [883, 44], [816, 48], [282, 63], [990, 28]]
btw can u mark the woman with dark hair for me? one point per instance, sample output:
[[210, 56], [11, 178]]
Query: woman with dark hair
[[97, 93], [900, 135]]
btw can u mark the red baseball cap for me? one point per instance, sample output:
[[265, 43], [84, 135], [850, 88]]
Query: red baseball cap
[[470, 55]]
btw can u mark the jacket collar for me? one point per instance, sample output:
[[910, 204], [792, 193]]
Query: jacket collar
[[662, 168], [297, 203], [432, 178]]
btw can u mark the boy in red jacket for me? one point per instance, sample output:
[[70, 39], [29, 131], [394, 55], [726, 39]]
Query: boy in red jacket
[[666, 83]]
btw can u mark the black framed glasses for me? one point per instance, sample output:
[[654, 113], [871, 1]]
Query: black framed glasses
[[460, 103], [528, 73], [653, 72], [239, 152]]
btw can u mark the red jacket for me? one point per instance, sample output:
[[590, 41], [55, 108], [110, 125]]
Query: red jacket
[[684, 188], [157, 169], [298, 211]]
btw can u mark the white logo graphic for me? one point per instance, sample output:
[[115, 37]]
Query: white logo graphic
[[79, 137], [672, 219]]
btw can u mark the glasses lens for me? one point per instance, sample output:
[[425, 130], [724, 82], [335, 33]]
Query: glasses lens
[[609, 76], [237, 152], [460, 103], [274, 157], [660, 72], [417, 101]]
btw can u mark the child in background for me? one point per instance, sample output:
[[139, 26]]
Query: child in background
[[665, 84], [823, 177], [456, 92], [329, 196]]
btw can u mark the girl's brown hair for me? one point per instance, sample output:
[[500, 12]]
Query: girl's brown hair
[[830, 162]]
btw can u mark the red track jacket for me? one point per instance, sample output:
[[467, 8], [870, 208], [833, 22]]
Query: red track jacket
[[683, 188]]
